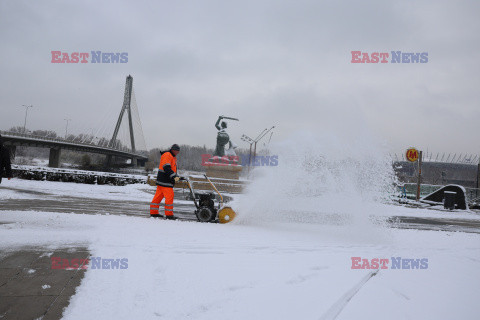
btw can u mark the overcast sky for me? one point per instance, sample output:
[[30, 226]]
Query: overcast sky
[[266, 62]]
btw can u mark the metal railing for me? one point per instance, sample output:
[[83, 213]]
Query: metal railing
[[75, 175]]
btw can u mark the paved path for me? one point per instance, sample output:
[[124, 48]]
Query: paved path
[[31, 289], [55, 203], [439, 224], [52, 203]]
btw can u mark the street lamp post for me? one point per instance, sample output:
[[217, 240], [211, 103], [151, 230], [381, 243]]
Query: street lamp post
[[260, 136], [66, 128], [254, 142], [249, 140], [26, 112]]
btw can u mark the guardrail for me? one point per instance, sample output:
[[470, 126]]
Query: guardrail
[[65, 141]]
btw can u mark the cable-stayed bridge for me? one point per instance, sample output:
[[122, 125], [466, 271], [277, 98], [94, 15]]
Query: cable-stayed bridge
[[131, 146]]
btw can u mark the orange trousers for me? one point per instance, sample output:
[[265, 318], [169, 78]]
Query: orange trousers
[[162, 192]]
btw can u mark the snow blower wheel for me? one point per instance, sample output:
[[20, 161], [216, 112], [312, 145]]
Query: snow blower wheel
[[205, 214], [226, 215]]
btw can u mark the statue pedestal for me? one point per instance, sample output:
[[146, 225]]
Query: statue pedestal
[[224, 171]]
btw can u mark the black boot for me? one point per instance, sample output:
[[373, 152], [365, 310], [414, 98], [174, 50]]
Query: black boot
[[171, 217], [156, 216]]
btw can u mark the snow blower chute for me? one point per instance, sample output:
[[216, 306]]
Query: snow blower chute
[[205, 207]]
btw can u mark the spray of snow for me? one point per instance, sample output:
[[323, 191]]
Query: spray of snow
[[321, 180]]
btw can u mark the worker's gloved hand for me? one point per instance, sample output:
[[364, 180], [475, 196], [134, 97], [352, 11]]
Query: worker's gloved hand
[[177, 178], [183, 178]]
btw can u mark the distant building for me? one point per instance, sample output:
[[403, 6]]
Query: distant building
[[438, 173]]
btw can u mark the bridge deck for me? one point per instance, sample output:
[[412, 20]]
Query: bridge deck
[[21, 139]]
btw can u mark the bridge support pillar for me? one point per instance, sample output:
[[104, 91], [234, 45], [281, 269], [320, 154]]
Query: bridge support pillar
[[13, 151], [136, 162], [108, 161], [54, 159], [478, 176]]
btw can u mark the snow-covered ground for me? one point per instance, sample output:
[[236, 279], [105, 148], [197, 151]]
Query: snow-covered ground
[[288, 254], [127, 192], [252, 268], [188, 270]]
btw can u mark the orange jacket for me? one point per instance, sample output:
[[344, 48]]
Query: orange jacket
[[167, 170]]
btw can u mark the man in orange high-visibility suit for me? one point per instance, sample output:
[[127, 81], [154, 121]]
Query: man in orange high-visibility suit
[[166, 178]]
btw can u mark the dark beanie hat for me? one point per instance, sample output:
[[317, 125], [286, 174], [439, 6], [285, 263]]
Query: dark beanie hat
[[175, 147]]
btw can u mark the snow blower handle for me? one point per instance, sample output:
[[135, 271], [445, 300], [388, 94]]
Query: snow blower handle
[[221, 198], [192, 191]]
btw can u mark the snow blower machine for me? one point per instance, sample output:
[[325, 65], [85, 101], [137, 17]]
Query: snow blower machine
[[206, 210]]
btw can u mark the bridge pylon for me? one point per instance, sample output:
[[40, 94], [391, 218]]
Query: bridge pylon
[[127, 103]]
